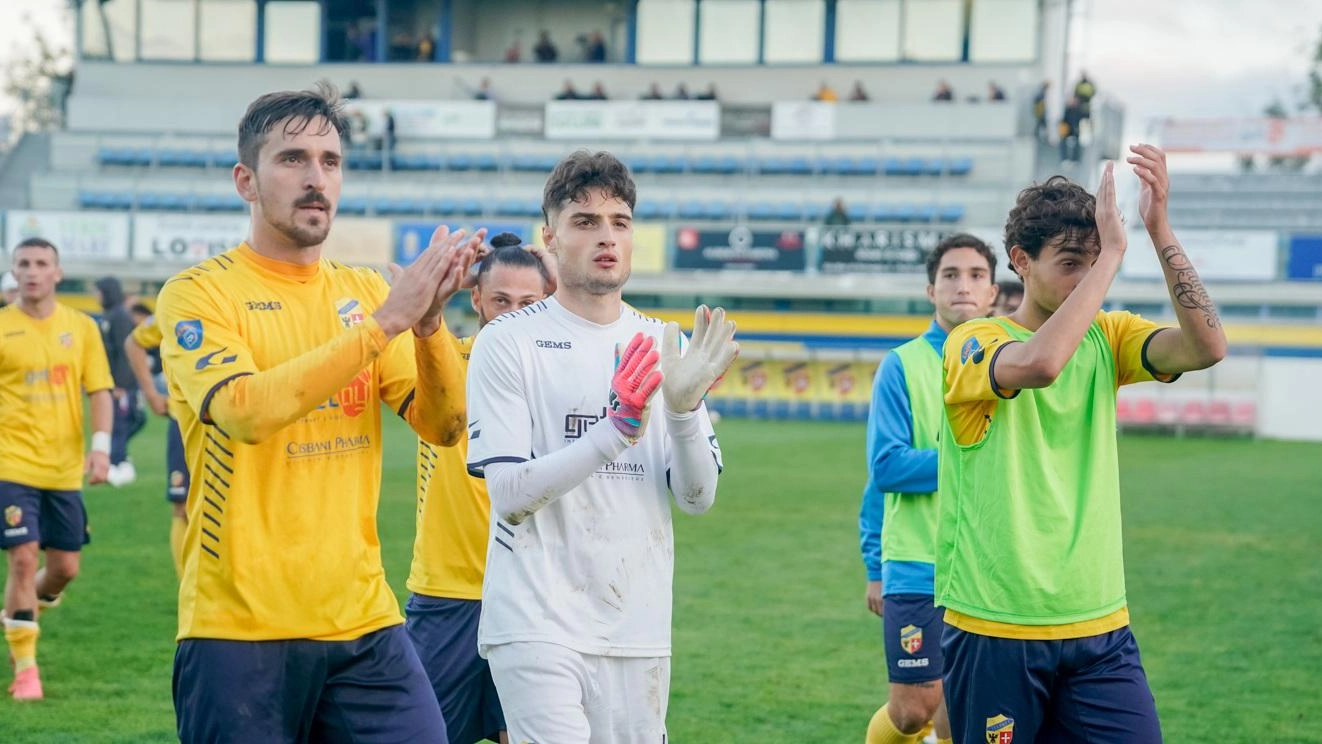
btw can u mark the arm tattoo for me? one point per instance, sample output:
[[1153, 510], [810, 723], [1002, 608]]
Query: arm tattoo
[[1188, 289]]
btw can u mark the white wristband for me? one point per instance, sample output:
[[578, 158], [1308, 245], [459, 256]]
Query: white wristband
[[101, 442]]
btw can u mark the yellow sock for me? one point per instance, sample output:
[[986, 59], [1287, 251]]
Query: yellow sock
[[177, 527], [881, 730], [21, 635]]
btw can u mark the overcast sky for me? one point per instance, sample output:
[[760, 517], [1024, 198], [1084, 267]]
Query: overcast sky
[[1175, 58]]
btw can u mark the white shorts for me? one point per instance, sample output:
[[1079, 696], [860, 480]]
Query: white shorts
[[555, 695]]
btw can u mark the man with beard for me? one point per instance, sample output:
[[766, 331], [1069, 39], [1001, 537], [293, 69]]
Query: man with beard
[[278, 363]]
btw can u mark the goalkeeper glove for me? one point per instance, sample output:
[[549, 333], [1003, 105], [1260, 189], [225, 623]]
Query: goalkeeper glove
[[710, 353], [635, 382]]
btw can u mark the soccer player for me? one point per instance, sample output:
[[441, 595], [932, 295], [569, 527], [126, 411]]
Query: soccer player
[[897, 525], [454, 517], [1029, 557], [576, 601], [48, 354], [1009, 296], [278, 363], [145, 337], [116, 326]]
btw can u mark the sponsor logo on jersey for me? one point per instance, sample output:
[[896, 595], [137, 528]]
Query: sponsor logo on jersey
[[576, 424], [911, 639], [971, 350], [214, 359], [66, 340], [56, 375], [544, 344], [262, 305], [189, 334], [350, 311], [353, 398], [1000, 729], [13, 515], [327, 447]]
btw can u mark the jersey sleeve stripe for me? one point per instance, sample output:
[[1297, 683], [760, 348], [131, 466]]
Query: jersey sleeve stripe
[[475, 469], [1147, 365], [204, 414], [991, 372], [504, 544], [408, 399]]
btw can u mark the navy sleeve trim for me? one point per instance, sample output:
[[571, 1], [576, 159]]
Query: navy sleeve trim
[[204, 414], [991, 372], [405, 405], [1147, 365], [476, 469]]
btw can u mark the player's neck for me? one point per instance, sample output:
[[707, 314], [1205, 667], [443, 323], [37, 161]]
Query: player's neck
[[38, 309], [275, 246], [1030, 315], [599, 309]]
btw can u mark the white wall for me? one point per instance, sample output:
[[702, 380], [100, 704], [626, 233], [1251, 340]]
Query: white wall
[[1290, 399]]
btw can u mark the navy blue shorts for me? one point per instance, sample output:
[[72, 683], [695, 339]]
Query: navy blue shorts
[[176, 482], [368, 690], [444, 631], [1091, 689], [911, 626], [55, 519]]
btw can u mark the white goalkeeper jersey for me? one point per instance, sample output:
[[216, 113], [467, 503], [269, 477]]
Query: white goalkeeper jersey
[[592, 570]]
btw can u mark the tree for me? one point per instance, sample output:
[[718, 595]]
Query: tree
[[38, 79], [1313, 89]]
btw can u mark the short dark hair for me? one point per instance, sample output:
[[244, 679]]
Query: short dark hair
[[1010, 287], [297, 109], [582, 171], [140, 309], [35, 242], [507, 250], [959, 240], [1046, 211]]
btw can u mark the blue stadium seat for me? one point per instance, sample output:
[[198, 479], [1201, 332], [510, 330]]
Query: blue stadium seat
[[704, 164], [141, 156], [865, 166], [717, 210], [109, 156], [951, 213], [893, 167], [789, 211], [814, 211], [469, 206], [383, 205], [149, 201], [882, 213], [353, 205], [459, 162], [729, 164], [692, 210], [365, 161], [646, 210], [800, 166], [773, 166], [914, 166], [486, 162], [934, 166], [903, 212], [403, 162], [857, 212], [667, 164], [169, 158], [762, 211], [510, 206], [961, 166], [442, 205], [224, 158], [925, 213], [176, 202]]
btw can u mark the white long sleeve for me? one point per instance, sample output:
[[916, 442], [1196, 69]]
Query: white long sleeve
[[693, 466], [518, 490]]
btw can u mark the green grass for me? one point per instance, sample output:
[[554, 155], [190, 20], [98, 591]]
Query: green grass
[[773, 642]]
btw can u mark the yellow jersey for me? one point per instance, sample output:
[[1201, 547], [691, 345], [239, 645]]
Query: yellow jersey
[[45, 367], [282, 536], [454, 517], [148, 334]]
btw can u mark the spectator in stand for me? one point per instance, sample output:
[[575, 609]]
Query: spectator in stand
[[1069, 131], [390, 131], [709, 94], [598, 92], [838, 216], [995, 92], [483, 91], [513, 53], [354, 91], [1040, 111], [596, 51], [682, 92], [545, 51], [825, 93], [1084, 90], [858, 94], [943, 92], [1008, 299], [426, 48], [653, 93], [568, 93]]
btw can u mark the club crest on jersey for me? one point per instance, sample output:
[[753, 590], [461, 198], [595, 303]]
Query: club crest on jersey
[[13, 515], [176, 479], [354, 397], [189, 334], [911, 639], [1000, 730], [66, 340], [971, 350], [350, 311]]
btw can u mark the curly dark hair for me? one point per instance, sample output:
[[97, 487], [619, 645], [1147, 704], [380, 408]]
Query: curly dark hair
[[1046, 211], [297, 109], [582, 171], [959, 240], [507, 250]]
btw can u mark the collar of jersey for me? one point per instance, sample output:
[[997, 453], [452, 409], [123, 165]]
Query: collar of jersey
[[577, 319], [297, 272]]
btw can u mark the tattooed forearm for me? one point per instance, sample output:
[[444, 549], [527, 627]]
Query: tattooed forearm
[[1188, 289]]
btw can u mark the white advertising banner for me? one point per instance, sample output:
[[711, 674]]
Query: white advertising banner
[[632, 120], [185, 238], [1298, 136], [77, 235], [1218, 255], [803, 120], [422, 119]]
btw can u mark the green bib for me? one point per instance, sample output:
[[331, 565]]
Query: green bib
[[1030, 516], [908, 531]]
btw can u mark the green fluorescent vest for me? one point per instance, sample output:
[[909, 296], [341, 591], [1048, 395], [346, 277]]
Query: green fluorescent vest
[[908, 532]]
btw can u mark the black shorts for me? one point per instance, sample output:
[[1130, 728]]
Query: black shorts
[[912, 627], [176, 484], [444, 632], [55, 519]]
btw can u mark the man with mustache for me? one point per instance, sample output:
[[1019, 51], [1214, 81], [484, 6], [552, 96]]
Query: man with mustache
[[279, 361]]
